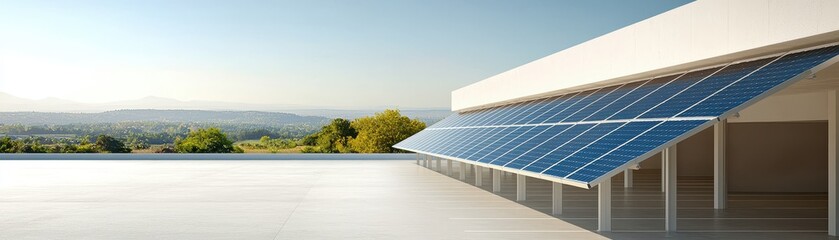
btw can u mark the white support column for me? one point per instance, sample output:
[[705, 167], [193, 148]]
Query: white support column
[[496, 180], [427, 161], [479, 176], [832, 166], [439, 164], [720, 187], [463, 171], [521, 187], [557, 198], [663, 171], [449, 168], [670, 194], [627, 178], [418, 158], [604, 206]]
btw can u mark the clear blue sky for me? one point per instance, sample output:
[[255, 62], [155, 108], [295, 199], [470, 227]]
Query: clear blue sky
[[346, 54]]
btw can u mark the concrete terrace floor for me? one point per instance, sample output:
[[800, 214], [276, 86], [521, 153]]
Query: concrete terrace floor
[[335, 199]]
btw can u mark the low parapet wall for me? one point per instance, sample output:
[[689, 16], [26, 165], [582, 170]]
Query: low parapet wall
[[205, 156]]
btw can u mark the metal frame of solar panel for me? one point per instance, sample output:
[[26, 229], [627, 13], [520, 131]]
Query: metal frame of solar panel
[[583, 137]]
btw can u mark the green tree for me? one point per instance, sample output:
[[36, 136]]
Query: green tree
[[7, 145], [210, 140], [110, 144], [334, 138], [378, 134], [310, 140]]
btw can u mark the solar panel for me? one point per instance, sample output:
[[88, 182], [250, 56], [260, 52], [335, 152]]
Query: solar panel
[[583, 137]]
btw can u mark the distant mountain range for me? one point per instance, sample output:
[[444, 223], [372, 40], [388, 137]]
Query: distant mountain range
[[58, 111], [169, 116], [10, 103]]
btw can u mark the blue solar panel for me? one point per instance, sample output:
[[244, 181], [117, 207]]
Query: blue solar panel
[[516, 109], [656, 96], [579, 105], [613, 95], [477, 142], [599, 147], [761, 81], [575, 143], [477, 116], [503, 138], [466, 135], [584, 136], [535, 111], [512, 144], [647, 88], [539, 135], [704, 88], [642, 144], [548, 145], [559, 107]]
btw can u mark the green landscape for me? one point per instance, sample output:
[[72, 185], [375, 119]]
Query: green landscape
[[192, 131]]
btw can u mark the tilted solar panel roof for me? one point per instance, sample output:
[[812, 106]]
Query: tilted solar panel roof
[[583, 137]]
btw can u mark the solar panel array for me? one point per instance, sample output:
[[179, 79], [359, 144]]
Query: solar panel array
[[580, 137]]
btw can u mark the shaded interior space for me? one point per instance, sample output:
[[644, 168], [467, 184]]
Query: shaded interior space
[[638, 212]]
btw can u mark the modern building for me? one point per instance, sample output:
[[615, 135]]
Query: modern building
[[741, 92]]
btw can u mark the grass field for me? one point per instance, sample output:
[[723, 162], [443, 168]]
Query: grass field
[[297, 149]]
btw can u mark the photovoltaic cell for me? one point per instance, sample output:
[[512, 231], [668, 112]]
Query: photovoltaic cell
[[557, 155], [659, 95], [599, 147], [705, 88], [761, 81], [584, 136], [497, 156], [540, 134], [618, 92], [641, 145], [546, 147], [559, 107], [579, 105], [503, 137]]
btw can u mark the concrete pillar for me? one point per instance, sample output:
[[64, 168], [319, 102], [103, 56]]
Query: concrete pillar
[[627, 178], [463, 171], [832, 166], [521, 187], [720, 187], [496, 180], [670, 194], [557, 198], [663, 171], [439, 164], [479, 176], [418, 158], [449, 168], [604, 206], [427, 161]]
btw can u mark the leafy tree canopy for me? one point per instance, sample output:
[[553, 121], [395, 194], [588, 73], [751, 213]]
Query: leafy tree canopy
[[378, 133], [110, 144], [333, 138], [209, 140]]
